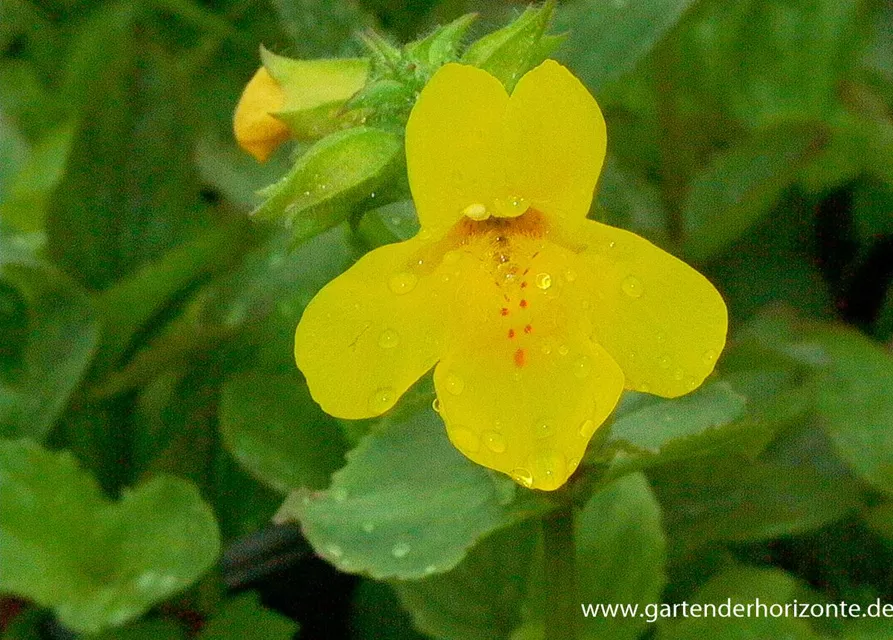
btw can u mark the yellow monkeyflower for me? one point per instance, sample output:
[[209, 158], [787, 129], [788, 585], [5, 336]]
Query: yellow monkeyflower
[[535, 317]]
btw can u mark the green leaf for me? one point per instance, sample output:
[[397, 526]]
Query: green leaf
[[741, 185], [741, 586], [872, 206], [96, 563], [621, 553], [319, 28], [512, 51], [377, 613], [632, 203], [335, 174], [115, 207], [657, 431], [481, 598], [794, 486], [60, 341], [855, 401], [244, 618], [271, 425], [407, 504], [145, 630], [441, 45], [607, 39]]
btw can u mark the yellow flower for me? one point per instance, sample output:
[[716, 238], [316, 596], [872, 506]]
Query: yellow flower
[[535, 317], [256, 130]]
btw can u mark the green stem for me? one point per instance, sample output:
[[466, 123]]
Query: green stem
[[562, 600]]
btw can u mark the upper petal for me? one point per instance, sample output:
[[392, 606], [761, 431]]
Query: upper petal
[[662, 321], [453, 154], [370, 333], [522, 388], [555, 142]]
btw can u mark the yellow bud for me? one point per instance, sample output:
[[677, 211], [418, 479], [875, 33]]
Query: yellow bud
[[258, 132]]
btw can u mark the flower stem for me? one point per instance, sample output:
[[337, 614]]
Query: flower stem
[[562, 602]]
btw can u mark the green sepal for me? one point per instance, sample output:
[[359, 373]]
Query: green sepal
[[514, 50], [316, 92], [334, 175], [441, 45]]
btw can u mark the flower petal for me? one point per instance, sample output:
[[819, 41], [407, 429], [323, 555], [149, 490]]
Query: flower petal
[[523, 388], [369, 334], [453, 154], [256, 131], [556, 141], [662, 321]]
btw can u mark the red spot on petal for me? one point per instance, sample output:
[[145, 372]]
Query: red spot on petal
[[504, 311], [524, 304], [526, 271], [524, 285], [511, 333], [520, 358], [528, 329]]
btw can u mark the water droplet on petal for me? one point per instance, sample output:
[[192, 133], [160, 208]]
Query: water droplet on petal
[[454, 384], [403, 282], [451, 257], [388, 339], [709, 356], [436, 405], [563, 350], [664, 362], [549, 469], [543, 429], [678, 374], [511, 207], [494, 442], [523, 477], [587, 429], [400, 550], [547, 348], [570, 275], [382, 400], [543, 281], [632, 287], [691, 383], [334, 551], [612, 244], [572, 464], [465, 439], [582, 367], [476, 211]]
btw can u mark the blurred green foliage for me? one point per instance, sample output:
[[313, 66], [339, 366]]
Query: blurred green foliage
[[152, 422]]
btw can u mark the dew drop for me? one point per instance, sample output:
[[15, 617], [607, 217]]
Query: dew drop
[[587, 429], [612, 244], [664, 362], [543, 281], [388, 339], [572, 464], [511, 207], [570, 275], [678, 374], [368, 527], [632, 287], [451, 257], [547, 348], [430, 569], [582, 367], [644, 387], [709, 356], [476, 211], [334, 551], [436, 405], [543, 429], [465, 439], [400, 550], [454, 384], [339, 494], [549, 468], [522, 476], [403, 282], [494, 442], [692, 384], [563, 350], [382, 400]]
